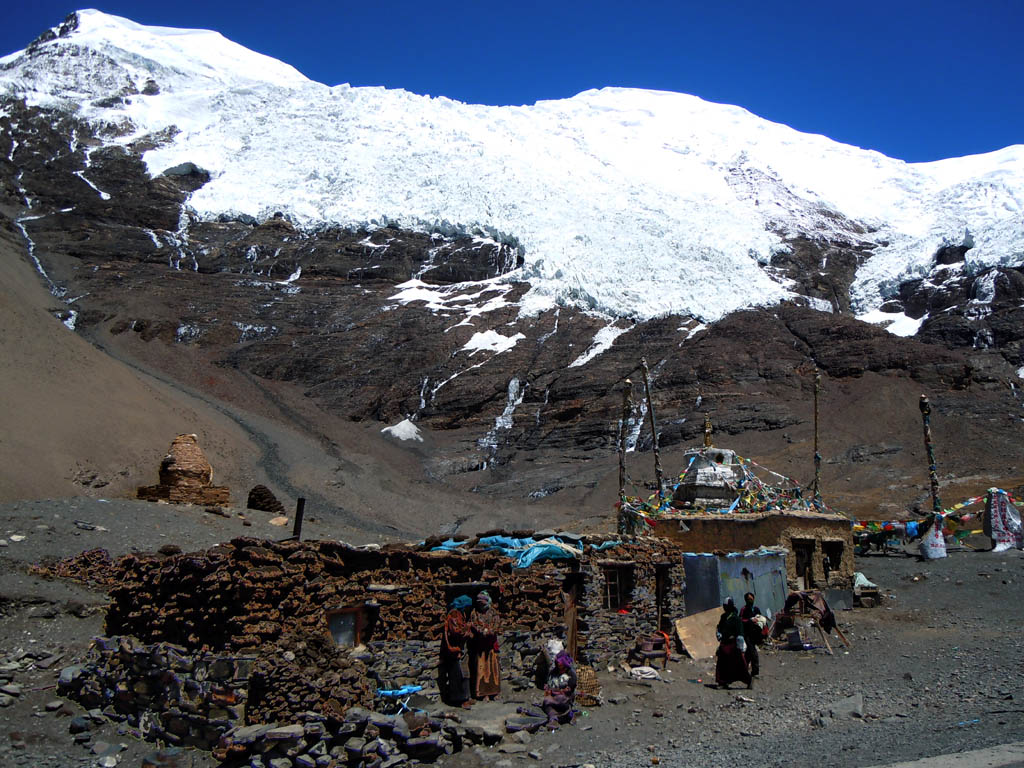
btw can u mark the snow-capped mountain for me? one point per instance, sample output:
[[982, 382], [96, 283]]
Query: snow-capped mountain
[[411, 279], [633, 203]]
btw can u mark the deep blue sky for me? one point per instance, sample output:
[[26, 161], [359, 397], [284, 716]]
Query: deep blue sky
[[915, 79]]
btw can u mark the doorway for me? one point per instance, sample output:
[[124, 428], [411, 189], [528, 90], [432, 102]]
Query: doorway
[[803, 553]]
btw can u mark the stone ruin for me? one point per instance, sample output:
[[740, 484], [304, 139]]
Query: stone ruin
[[186, 477]]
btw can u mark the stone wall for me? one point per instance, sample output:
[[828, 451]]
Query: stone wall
[[606, 634], [161, 691]]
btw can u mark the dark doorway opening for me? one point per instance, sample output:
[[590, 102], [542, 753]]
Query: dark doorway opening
[[803, 552]]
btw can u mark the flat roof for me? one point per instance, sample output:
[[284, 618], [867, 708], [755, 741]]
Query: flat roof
[[748, 516]]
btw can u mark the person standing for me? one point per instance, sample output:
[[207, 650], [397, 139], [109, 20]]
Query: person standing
[[730, 663], [451, 679], [752, 632], [484, 666]]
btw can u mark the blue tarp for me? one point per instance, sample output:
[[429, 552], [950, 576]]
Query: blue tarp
[[449, 545], [405, 690], [525, 552]]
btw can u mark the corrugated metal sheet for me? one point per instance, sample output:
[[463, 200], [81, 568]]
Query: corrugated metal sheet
[[712, 578], [702, 586]]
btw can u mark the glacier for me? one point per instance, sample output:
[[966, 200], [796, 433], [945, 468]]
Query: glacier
[[629, 203]]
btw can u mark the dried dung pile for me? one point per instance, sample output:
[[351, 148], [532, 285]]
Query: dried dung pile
[[94, 566]]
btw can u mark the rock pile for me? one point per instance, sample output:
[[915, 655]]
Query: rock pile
[[186, 477], [360, 739], [161, 691], [235, 705]]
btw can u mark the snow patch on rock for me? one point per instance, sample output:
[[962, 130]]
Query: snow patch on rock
[[404, 430], [491, 340], [603, 341], [898, 324]]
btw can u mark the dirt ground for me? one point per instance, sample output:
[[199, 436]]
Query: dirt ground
[[937, 666]]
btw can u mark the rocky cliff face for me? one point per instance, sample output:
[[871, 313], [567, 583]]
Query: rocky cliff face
[[378, 325]]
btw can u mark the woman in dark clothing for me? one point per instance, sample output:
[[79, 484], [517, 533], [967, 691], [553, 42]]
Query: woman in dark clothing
[[751, 632], [451, 680], [730, 665]]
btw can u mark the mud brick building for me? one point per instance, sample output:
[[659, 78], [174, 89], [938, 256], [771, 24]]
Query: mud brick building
[[809, 538], [720, 505]]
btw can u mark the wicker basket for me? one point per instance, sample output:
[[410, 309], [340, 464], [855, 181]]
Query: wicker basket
[[588, 689]]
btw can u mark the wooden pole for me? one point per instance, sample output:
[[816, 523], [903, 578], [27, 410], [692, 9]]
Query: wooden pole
[[823, 637], [707, 430], [933, 475], [654, 428], [300, 508], [843, 637], [817, 454], [624, 525]]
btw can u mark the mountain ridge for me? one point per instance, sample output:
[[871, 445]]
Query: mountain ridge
[[340, 332]]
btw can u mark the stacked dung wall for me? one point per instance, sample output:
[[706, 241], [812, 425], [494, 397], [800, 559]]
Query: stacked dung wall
[[739, 532], [249, 631], [250, 592]]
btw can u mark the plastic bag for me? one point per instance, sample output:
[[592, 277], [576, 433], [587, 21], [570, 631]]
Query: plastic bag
[[741, 643]]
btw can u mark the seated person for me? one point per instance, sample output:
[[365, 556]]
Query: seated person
[[560, 691]]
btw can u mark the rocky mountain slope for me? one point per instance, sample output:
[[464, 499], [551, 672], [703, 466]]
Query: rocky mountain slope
[[336, 262]]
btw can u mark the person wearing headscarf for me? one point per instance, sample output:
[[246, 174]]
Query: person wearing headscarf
[[484, 667], [451, 679], [560, 691], [730, 663], [752, 632]]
